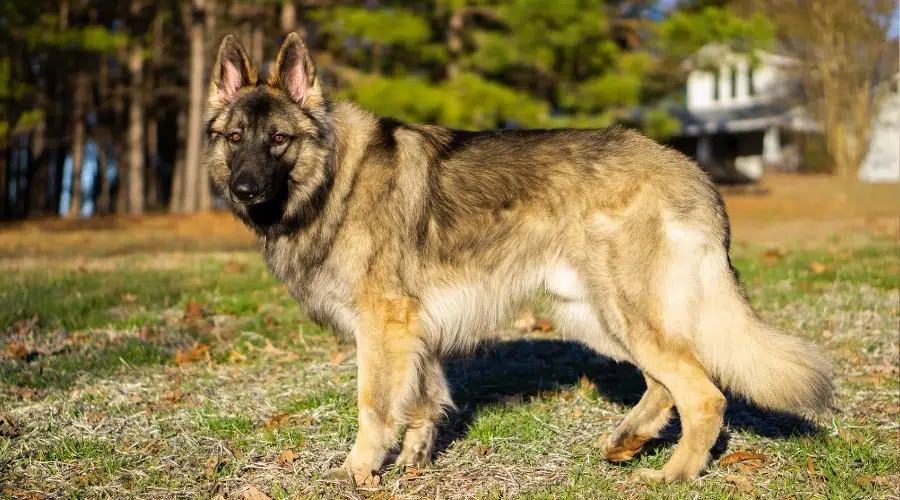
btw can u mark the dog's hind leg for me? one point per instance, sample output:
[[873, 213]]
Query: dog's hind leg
[[421, 422], [701, 406], [642, 424]]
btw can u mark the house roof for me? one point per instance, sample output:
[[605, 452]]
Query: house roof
[[740, 119]]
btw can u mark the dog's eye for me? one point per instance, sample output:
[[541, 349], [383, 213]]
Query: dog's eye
[[235, 137], [279, 138]]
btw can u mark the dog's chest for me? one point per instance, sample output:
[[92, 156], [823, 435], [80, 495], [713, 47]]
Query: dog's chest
[[324, 294], [328, 300]]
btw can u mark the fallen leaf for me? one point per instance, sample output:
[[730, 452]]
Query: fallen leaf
[[211, 464], [276, 421], [567, 395], [286, 457], [869, 481], [740, 456], [525, 322], [94, 416], [236, 357], [412, 471], [16, 350], [771, 256], [146, 332], [543, 325], [129, 297], [250, 492], [811, 467], [8, 427], [483, 451], [173, 395], [194, 309], [741, 482], [234, 267], [577, 413], [25, 326], [136, 399], [337, 357], [24, 495], [196, 353], [817, 267], [152, 447], [870, 378], [24, 393], [585, 383]]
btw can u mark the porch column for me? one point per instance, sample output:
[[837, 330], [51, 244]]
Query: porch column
[[772, 146], [704, 150]]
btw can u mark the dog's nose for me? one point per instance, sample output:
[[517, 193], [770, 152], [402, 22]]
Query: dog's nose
[[245, 189]]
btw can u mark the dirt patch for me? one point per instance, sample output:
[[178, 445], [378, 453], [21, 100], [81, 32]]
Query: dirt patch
[[784, 210]]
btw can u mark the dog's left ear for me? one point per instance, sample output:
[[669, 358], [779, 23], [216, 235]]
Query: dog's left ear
[[295, 73]]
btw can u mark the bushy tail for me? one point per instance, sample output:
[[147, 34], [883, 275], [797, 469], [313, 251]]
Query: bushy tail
[[770, 368]]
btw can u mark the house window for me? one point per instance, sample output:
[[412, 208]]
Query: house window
[[751, 87], [716, 76], [733, 84]]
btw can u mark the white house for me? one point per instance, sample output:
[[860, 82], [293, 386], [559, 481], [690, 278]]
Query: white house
[[736, 121], [882, 160]]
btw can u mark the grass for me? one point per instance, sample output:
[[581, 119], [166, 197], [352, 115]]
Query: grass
[[194, 375]]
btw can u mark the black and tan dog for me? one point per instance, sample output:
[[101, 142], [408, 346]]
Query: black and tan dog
[[417, 241]]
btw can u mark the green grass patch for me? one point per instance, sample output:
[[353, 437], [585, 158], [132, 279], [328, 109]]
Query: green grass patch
[[61, 371]]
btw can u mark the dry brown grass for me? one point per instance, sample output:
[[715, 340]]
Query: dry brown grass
[[784, 210]]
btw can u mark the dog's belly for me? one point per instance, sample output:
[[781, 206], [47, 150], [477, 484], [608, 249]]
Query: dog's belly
[[457, 317], [577, 316]]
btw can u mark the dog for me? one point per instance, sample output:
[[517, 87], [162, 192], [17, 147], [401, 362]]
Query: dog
[[418, 241]]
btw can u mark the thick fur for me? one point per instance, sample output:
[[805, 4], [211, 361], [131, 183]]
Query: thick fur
[[418, 241]]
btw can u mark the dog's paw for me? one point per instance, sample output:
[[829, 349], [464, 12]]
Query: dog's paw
[[652, 476], [409, 458], [655, 476], [359, 478]]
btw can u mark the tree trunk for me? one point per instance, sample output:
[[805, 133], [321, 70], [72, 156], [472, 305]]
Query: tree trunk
[[40, 167], [454, 42], [118, 147], [152, 174], [102, 205], [192, 183], [205, 200], [4, 155], [78, 135], [288, 17], [153, 198], [258, 50], [136, 132], [176, 197]]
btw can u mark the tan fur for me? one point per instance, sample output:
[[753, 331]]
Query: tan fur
[[418, 241]]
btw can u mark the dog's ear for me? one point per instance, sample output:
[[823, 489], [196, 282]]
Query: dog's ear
[[295, 73], [231, 71]]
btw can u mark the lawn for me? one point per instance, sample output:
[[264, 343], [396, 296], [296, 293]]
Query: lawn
[[191, 373]]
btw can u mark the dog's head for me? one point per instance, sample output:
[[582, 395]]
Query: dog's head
[[269, 143]]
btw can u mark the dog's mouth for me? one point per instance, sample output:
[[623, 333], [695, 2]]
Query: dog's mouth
[[249, 202]]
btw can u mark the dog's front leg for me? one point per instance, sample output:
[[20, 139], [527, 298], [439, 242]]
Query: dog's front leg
[[387, 348]]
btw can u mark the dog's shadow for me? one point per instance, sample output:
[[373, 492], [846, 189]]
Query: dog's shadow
[[511, 372]]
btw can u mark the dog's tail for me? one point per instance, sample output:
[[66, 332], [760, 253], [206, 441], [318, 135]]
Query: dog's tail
[[770, 368]]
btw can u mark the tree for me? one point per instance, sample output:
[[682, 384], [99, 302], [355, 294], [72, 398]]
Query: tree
[[836, 46], [136, 152], [192, 164]]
